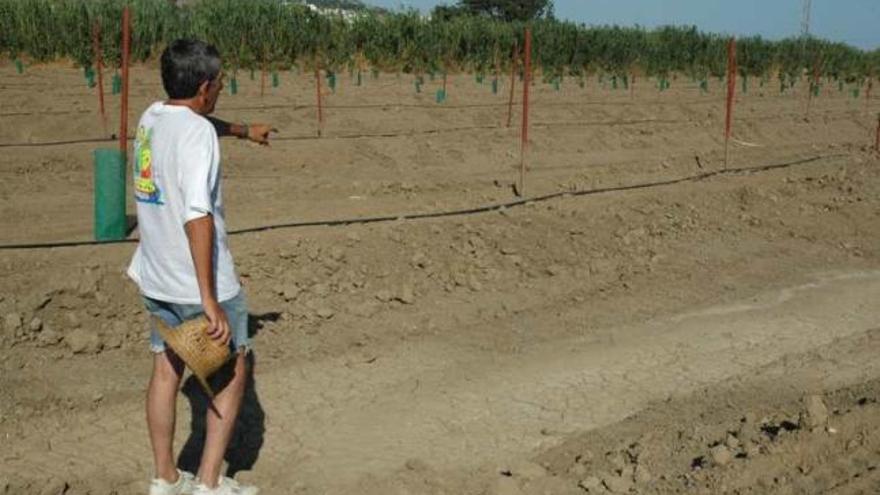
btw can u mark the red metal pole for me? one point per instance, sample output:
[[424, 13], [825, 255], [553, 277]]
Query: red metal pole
[[318, 95], [126, 47], [525, 119], [877, 139], [731, 93], [512, 84], [99, 68]]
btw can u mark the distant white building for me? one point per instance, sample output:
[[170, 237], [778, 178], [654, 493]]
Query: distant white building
[[344, 13]]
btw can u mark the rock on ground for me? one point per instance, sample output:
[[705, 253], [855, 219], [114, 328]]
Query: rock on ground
[[82, 341]]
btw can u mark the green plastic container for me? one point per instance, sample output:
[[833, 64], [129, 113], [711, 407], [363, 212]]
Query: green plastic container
[[19, 66], [440, 97], [233, 86], [110, 223], [495, 86], [276, 80], [89, 74], [331, 81], [117, 84]]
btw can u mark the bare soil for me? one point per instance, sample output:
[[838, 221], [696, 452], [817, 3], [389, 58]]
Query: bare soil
[[686, 329]]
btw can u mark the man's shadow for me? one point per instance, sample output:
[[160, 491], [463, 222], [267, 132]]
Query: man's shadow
[[250, 427]]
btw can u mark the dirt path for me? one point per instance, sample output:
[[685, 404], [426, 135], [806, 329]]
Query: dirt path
[[453, 410]]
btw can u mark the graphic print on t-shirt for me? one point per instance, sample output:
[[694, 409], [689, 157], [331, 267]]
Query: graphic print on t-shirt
[[145, 189]]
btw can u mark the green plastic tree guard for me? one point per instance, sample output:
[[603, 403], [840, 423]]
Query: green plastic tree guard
[[19, 66], [331, 81], [110, 223], [117, 84], [89, 73]]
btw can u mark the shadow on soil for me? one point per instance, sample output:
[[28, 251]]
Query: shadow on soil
[[247, 439]]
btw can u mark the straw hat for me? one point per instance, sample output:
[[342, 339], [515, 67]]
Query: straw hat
[[202, 354]]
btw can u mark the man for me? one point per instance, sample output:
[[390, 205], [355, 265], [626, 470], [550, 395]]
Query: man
[[182, 265]]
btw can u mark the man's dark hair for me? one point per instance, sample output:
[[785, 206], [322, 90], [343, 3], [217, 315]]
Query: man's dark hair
[[186, 64]]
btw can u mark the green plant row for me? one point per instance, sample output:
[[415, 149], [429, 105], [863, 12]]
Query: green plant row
[[280, 34]]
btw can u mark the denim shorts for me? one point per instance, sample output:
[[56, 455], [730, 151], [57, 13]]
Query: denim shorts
[[175, 314]]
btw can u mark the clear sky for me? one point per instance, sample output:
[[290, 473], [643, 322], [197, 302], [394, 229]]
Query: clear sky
[[852, 21]]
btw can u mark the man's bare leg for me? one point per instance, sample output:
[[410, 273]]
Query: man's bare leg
[[219, 428], [161, 412]]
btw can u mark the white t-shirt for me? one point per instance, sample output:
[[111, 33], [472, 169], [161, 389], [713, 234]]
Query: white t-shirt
[[177, 179]]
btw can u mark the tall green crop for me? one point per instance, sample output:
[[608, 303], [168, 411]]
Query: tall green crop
[[254, 34]]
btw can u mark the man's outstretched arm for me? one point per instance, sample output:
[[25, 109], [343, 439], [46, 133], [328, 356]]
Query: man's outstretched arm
[[258, 133]]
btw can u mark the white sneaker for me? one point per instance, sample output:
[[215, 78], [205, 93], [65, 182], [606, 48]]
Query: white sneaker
[[185, 485], [226, 486]]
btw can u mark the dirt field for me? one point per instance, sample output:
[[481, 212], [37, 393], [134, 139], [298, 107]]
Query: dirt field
[[711, 332]]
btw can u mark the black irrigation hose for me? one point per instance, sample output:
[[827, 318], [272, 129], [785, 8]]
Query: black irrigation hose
[[393, 134], [59, 143], [45, 112], [461, 212], [294, 107]]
